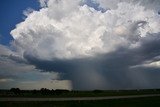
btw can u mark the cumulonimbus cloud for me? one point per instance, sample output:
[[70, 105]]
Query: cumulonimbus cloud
[[74, 30], [63, 34]]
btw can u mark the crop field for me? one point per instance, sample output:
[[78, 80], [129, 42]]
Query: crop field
[[134, 102], [66, 93], [151, 101]]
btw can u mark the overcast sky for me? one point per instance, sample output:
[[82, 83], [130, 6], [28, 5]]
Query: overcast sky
[[80, 44]]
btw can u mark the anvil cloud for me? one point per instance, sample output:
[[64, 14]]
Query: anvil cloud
[[96, 44]]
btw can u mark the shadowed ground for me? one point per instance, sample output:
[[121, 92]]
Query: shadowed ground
[[78, 98], [130, 102]]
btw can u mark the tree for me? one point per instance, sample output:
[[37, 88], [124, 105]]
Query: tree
[[15, 90]]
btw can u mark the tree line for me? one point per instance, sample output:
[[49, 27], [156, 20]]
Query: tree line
[[43, 91]]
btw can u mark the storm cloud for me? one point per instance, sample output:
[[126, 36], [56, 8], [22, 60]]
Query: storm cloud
[[95, 44], [121, 69]]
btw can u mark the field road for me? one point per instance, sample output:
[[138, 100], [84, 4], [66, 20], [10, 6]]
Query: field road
[[77, 98]]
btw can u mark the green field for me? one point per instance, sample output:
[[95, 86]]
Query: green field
[[130, 102], [134, 102], [64, 93]]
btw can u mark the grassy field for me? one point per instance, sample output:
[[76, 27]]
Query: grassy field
[[134, 102], [95, 93]]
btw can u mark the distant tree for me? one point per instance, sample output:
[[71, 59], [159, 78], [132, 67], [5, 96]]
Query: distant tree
[[61, 91], [15, 90], [52, 92], [97, 91], [45, 91], [34, 91]]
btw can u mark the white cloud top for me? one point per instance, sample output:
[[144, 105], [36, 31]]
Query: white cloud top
[[64, 29]]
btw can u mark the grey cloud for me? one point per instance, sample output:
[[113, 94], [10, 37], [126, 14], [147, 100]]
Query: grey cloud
[[17, 59], [93, 49], [17, 72], [109, 71], [149, 4]]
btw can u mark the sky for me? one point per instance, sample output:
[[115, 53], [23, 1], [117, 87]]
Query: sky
[[11, 14], [80, 44]]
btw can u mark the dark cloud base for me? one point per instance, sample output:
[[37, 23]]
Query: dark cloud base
[[110, 71]]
